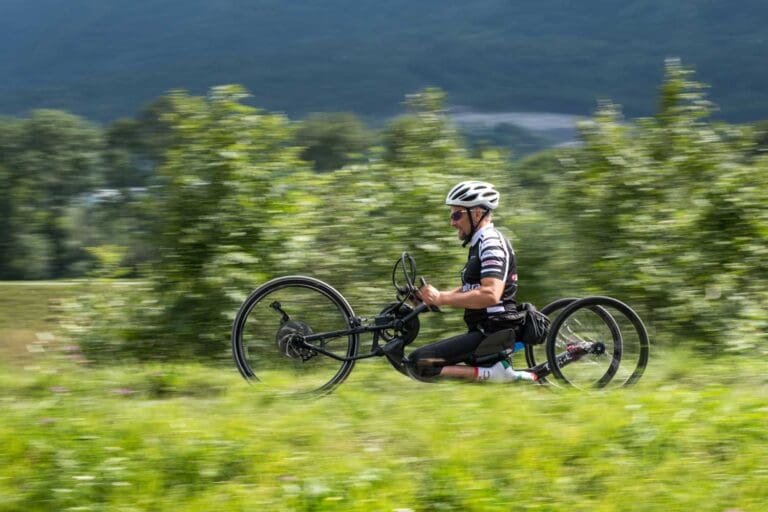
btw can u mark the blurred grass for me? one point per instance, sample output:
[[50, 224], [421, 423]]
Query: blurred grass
[[691, 436], [25, 304], [27, 314]]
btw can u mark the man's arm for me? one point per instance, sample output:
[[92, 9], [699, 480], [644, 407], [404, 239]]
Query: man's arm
[[487, 294]]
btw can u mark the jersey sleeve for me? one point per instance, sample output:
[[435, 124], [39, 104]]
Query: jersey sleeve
[[494, 257]]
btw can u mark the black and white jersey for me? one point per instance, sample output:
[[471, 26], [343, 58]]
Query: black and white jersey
[[490, 255]]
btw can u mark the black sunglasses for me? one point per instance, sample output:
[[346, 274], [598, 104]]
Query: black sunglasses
[[457, 214]]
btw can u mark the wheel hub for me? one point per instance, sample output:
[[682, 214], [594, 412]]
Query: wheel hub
[[290, 338]]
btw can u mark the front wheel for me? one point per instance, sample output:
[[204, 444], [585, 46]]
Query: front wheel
[[274, 317]]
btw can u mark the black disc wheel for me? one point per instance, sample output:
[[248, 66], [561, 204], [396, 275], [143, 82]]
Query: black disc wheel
[[596, 341], [272, 322]]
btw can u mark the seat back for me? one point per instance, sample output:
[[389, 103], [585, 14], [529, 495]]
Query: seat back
[[496, 342]]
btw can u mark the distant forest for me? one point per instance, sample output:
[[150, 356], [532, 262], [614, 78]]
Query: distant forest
[[107, 59]]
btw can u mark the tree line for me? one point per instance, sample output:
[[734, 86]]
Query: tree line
[[491, 55], [73, 192], [204, 197]]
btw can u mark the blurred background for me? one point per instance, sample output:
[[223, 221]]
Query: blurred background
[[158, 161]]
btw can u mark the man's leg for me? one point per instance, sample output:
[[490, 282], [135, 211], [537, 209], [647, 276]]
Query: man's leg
[[499, 372], [440, 359]]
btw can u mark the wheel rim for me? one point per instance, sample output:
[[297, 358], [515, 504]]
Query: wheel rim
[[535, 354], [587, 326], [606, 320], [313, 306]]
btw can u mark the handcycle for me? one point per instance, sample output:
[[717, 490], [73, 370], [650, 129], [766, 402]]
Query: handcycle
[[297, 334]]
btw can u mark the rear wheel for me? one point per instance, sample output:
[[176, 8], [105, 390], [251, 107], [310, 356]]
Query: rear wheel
[[267, 331], [605, 342], [536, 354]]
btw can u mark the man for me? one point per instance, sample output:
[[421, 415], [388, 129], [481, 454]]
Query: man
[[487, 293]]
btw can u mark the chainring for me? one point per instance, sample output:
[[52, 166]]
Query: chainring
[[409, 330]]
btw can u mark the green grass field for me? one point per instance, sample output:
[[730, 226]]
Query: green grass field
[[692, 435]]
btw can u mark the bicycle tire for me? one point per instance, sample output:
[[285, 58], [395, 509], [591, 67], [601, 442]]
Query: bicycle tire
[[625, 341], [258, 343], [535, 354]]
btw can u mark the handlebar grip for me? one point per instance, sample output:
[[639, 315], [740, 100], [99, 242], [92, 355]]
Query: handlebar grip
[[433, 308], [423, 307]]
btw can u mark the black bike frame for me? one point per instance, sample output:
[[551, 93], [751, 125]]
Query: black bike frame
[[376, 349], [542, 370]]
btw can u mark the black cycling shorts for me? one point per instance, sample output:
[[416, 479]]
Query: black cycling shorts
[[426, 361]]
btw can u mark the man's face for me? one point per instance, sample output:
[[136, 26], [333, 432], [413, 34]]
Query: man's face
[[460, 221]]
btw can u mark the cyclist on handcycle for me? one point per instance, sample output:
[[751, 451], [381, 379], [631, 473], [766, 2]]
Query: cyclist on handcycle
[[487, 292]]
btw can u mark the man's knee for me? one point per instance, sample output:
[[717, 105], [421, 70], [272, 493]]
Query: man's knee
[[421, 367]]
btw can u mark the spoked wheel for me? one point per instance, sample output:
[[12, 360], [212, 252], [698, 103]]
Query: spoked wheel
[[597, 340], [536, 354], [268, 328]]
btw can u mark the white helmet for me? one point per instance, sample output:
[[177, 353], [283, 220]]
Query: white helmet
[[473, 193]]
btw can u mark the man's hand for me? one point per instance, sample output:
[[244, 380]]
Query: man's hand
[[430, 295]]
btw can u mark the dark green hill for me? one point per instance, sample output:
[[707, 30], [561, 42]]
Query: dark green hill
[[106, 59]]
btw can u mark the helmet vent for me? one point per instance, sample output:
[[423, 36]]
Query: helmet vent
[[459, 192]]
